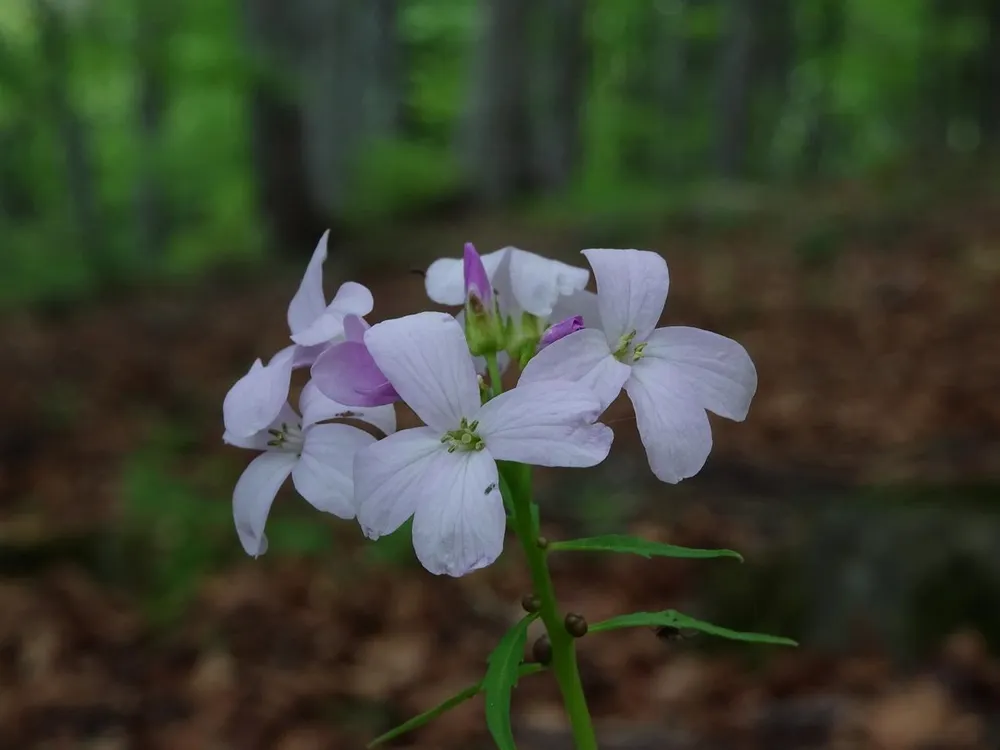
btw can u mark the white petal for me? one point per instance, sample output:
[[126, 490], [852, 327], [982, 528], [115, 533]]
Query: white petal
[[316, 408], [582, 303], [309, 302], [306, 355], [545, 424], [582, 357], [631, 291], [355, 327], [256, 399], [426, 359], [459, 523], [253, 495], [445, 278], [673, 427], [538, 282], [717, 370], [353, 298], [258, 441], [327, 328], [389, 478], [324, 474]]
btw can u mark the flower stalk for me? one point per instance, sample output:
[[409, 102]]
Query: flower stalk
[[516, 488]]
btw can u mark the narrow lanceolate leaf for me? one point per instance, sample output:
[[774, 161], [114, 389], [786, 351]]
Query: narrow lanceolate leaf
[[501, 677], [636, 546], [444, 707], [672, 618]]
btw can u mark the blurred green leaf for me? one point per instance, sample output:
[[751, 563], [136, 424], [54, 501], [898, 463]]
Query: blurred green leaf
[[636, 546], [672, 618], [445, 706]]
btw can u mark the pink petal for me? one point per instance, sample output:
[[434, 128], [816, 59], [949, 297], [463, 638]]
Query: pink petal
[[347, 373]]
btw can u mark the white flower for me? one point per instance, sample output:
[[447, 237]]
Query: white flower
[[524, 282], [311, 320], [672, 375], [314, 325], [319, 457], [445, 474]]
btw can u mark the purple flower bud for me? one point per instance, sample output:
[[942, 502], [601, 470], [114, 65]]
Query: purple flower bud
[[477, 283], [560, 330]]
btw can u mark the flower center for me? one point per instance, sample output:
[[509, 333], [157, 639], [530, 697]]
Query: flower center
[[288, 439], [627, 351], [465, 438]]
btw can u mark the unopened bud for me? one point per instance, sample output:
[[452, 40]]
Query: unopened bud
[[541, 650], [542, 543], [531, 603], [560, 330], [576, 626], [483, 325]]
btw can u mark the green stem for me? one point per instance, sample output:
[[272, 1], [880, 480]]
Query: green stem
[[496, 384], [564, 665]]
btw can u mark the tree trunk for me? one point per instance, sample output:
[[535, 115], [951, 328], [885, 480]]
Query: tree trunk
[[292, 216], [736, 79], [81, 181], [819, 130], [498, 158], [989, 116], [151, 33], [775, 55], [561, 75]]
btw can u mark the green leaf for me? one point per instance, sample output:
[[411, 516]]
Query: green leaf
[[672, 618], [636, 546], [501, 677], [444, 707]]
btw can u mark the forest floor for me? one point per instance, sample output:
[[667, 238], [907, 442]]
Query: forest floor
[[129, 619]]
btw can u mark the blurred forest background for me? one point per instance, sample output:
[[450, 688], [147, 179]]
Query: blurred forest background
[[822, 177]]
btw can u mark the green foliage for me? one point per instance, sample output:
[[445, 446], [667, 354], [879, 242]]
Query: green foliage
[[174, 531], [854, 98], [634, 545], [395, 549], [501, 677], [673, 619], [401, 177], [470, 692]]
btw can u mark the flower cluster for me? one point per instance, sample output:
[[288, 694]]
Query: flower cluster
[[577, 350]]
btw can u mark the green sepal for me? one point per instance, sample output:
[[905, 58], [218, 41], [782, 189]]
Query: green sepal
[[636, 546], [470, 692], [673, 619]]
